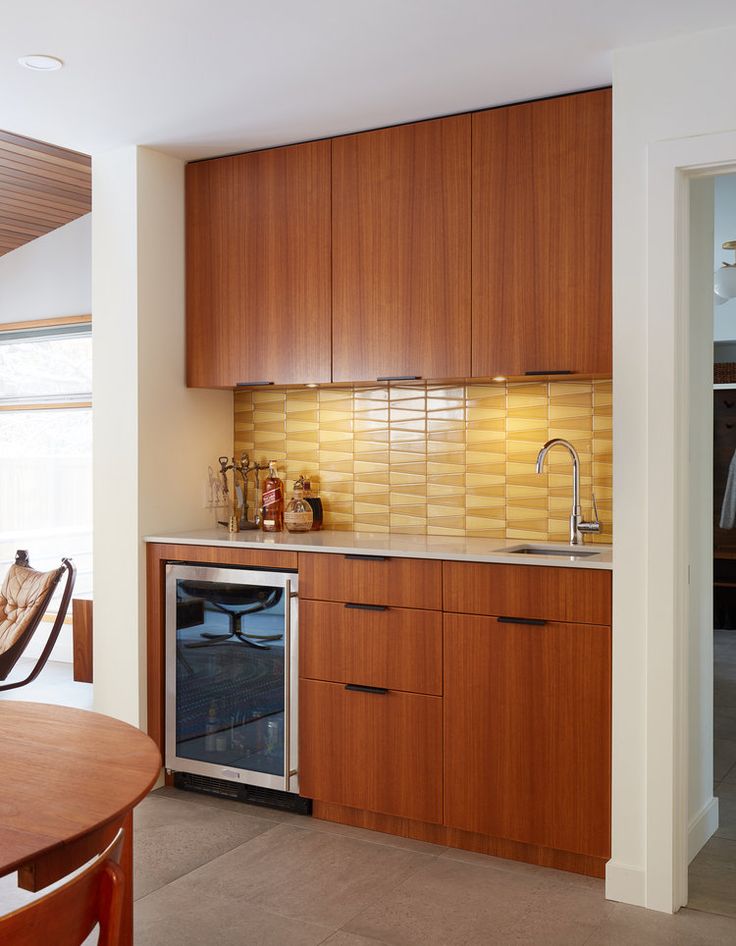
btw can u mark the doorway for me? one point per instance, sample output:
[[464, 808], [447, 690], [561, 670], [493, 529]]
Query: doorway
[[712, 872]]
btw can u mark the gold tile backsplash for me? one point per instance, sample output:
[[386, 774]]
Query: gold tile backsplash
[[433, 459]]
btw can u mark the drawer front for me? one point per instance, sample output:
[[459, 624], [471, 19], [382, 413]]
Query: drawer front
[[548, 593], [396, 582], [375, 751], [396, 648]]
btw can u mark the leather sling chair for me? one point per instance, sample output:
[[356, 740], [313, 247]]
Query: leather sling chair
[[24, 599]]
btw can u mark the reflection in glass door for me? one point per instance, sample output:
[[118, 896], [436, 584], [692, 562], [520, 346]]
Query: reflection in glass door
[[231, 674]]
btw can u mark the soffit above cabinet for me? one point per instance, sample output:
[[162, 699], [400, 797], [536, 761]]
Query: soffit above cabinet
[[42, 187]]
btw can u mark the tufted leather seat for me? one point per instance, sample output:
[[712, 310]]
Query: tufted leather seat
[[23, 594]]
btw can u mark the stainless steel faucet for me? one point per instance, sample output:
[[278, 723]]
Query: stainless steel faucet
[[578, 526]]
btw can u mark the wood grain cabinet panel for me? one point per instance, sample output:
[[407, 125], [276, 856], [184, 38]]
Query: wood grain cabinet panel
[[375, 751], [548, 592], [259, 267], [527, 732], [542, 237], [396, 648], [401, 251], [366, 579]]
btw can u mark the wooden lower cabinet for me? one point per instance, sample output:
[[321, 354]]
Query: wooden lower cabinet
[[379, 751], [527, 726]]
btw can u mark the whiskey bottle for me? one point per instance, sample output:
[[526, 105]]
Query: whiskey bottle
[[272, 501], [298, 515], [316, 503]]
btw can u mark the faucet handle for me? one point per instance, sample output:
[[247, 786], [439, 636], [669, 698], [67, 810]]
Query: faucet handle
[[595, 525]]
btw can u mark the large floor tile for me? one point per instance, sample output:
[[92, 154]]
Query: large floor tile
[[55, 684], [173, 836], [632, 926], [712, 878], [448, 903], [174, 916], [306, 875], [341, 938]]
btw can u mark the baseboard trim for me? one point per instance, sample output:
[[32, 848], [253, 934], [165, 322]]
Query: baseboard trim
[[702, 827], [626, 884]]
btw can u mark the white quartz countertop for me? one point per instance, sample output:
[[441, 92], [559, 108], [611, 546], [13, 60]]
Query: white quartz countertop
[[449, 548]]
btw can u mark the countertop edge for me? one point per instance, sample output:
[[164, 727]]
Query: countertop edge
[[285, 543]]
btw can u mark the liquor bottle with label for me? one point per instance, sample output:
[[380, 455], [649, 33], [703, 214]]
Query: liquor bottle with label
[[272, 501], [315, 502], [298, 515]]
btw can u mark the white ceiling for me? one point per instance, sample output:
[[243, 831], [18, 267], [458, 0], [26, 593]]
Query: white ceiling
[[199, 78]]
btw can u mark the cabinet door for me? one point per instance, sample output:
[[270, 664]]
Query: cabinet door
[[401, 252], [542, 237], [527, 732], [258, 267], [379, 751]]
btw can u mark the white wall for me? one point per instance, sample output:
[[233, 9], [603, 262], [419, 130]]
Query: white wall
[[50, 276], [154, 438], [725, 229], [661, 91]]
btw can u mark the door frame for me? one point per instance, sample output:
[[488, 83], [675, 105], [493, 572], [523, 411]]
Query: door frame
[[666, 479]]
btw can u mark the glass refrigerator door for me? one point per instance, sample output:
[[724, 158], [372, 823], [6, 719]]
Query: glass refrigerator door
[[229, 660]]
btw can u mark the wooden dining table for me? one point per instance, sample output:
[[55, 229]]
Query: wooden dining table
[[69, 779]]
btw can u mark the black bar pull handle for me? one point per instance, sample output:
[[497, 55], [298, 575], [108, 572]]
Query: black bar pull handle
[[536, 622], [253, 384], [359, 688], [401, 377], [531, 374], [365, 607], [366, 558]]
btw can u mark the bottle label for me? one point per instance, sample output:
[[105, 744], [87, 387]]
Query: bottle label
[[297, 520], [272, 496]]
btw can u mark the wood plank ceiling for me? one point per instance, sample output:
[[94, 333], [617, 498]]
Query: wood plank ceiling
[[42, 187]]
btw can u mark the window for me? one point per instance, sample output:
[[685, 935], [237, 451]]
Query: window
[[46, 447]]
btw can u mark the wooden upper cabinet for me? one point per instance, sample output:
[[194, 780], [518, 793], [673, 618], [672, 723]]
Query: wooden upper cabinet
[[258, 267], [542, 237], [401, 252]]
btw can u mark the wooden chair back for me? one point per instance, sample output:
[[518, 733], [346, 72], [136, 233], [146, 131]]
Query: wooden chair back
[[9, 658], [67, 915]]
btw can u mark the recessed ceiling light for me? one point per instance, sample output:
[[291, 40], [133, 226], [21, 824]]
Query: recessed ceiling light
[[41, 63]]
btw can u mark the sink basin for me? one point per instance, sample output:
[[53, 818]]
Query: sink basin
[[571, 552]]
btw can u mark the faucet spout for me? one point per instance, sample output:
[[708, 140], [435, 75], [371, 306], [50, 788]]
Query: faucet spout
[[578, 527]]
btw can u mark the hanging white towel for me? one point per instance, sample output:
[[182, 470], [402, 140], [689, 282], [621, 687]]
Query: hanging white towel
[[728, 509]]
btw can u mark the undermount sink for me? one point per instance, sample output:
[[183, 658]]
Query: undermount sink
[[571, 552]]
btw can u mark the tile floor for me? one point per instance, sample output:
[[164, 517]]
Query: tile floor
[[214, 871], [712, 879], [219, 872], [55, 684]]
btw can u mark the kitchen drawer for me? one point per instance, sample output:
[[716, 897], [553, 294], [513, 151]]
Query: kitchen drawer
[[374, 751], [396, 648], [371, 579], [580, 595]]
